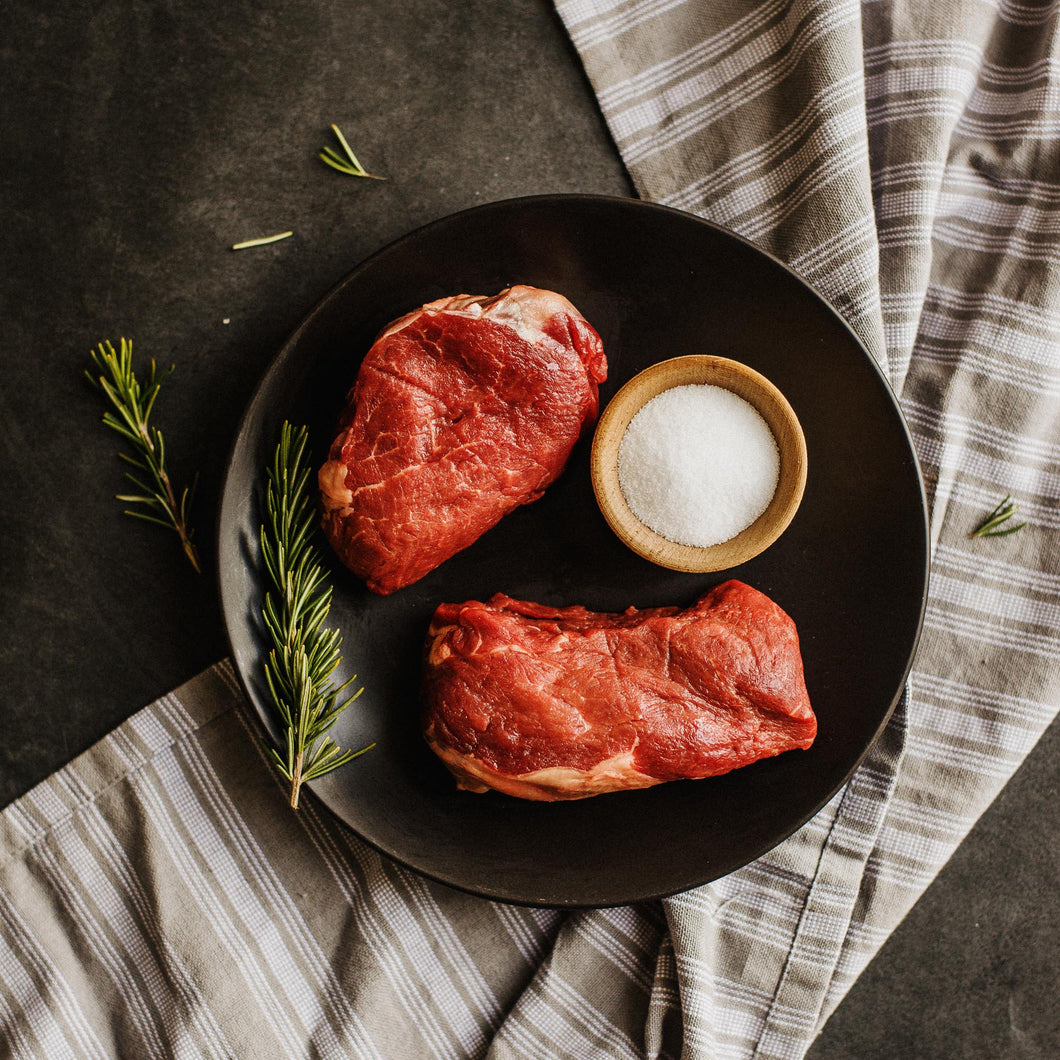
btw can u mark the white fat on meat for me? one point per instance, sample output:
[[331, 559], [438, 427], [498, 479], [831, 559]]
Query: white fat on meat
[[526, 310]]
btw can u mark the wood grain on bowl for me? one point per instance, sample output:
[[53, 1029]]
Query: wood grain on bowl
[[746, 383]]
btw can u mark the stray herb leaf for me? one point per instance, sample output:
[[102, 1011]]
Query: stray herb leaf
[[261, 242], [346, 162], [132, 407], [991, 525], [305, 653]]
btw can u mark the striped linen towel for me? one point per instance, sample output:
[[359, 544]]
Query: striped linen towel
[[156, 898]]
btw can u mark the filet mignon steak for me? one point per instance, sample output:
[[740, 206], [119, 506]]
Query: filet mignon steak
[[562, 703], [461, 411]]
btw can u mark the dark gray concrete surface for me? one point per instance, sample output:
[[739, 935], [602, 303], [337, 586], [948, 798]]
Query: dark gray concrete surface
[[140, 140]]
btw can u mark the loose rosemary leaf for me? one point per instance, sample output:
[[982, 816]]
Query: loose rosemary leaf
[[263, 241], [993, 524], [346, 162], [305, 653]]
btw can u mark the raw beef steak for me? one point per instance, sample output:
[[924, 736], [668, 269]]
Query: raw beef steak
[[461, 411], [561, 703]]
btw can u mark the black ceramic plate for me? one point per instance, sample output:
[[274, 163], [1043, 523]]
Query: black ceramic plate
[[851, 569]]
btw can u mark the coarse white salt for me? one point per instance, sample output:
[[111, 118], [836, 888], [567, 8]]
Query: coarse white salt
[[698, 464]]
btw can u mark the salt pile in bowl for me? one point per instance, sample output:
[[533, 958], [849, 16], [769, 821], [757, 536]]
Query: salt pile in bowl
[[698, 464]]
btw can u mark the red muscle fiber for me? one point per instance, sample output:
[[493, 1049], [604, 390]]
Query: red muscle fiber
[[562, 703]]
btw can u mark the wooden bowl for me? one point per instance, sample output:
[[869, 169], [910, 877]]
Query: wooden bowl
[[757, 391]]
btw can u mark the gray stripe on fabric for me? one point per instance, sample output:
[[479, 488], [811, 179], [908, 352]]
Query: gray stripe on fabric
[[385, 918], [197, 858], [50, 988], [334, 1021], [24, 1012]]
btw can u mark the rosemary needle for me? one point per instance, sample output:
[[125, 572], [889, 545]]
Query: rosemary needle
[[347, 162], [261, 242], [991, 525], [304, 653], [132, 404]]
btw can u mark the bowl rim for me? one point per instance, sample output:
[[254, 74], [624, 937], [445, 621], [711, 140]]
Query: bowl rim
[[762, 394]]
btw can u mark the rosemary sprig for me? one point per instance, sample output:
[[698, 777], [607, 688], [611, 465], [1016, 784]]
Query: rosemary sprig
[[991, 525], [305, 653], [132, 406], [346, 162]]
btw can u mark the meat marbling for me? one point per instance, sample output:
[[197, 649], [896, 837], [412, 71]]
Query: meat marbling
[[562, 703], [461, 411]]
